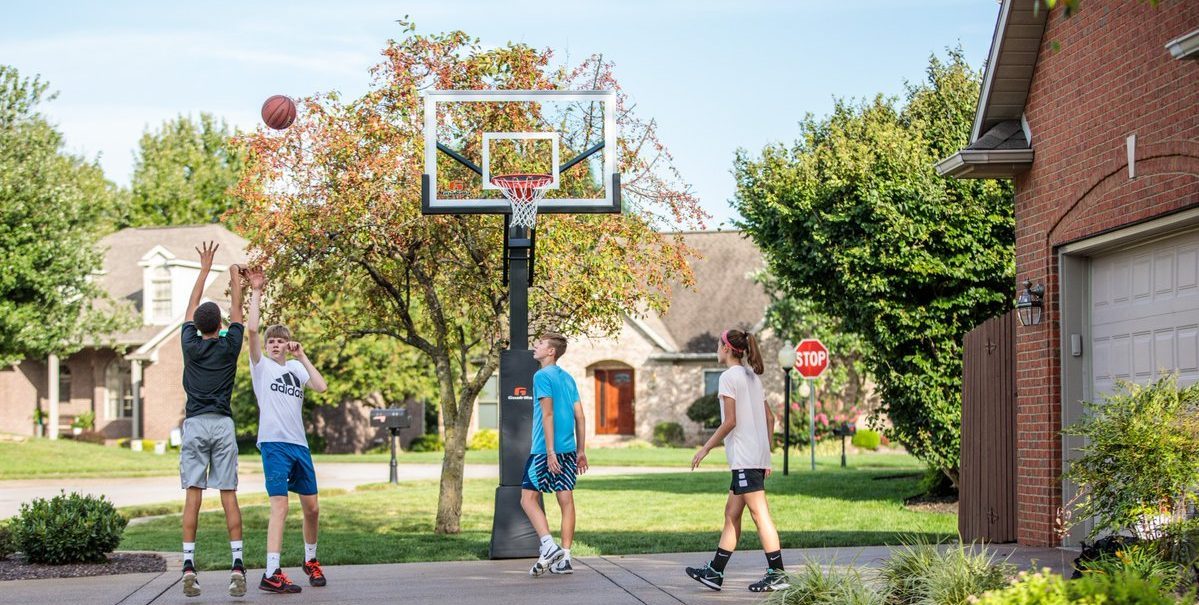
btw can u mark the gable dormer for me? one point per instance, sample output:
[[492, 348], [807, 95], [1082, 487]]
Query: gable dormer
[[166, 284]]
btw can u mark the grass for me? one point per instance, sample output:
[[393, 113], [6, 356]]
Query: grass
[[676, 512], [46, 459]]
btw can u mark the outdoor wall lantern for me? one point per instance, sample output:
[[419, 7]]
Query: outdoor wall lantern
[[1029, 304]]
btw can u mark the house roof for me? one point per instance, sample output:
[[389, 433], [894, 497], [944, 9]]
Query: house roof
[[122, 277], [724, 296], [1000, 145]]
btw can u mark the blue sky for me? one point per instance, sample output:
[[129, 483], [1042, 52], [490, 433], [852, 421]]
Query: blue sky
[[717, 75]]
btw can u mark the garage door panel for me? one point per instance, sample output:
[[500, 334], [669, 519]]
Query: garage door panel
[[1188, 268], [1188, 349]]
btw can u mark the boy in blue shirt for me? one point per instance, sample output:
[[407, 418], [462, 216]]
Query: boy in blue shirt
[[556, 455]]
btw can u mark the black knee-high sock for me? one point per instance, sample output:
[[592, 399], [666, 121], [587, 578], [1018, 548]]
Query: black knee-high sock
[[721, 559], [775, 560]]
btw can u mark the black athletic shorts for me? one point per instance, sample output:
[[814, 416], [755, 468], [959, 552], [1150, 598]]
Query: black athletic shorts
[[746, 480]]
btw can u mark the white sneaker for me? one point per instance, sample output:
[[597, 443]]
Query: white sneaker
[[562, 567], [546, 560]]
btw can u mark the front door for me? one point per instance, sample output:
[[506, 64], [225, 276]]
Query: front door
[[614, 402]]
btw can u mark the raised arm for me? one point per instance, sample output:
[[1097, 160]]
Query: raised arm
[[257, 280], [206, 251], [235, 310], [316, 382]]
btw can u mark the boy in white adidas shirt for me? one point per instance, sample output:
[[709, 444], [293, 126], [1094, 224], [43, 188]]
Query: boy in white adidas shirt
[[286, 462]]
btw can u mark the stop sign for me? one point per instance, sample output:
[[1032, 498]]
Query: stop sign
[[811, 358]]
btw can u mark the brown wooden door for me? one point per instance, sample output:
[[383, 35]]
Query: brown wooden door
[[987, 479], [614, 402]]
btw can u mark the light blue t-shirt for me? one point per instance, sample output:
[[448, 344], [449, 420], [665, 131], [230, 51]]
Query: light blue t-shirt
[[556, 383]]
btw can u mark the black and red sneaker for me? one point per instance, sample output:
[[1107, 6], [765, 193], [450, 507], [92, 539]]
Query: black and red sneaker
[[278, 582], [316, 575]]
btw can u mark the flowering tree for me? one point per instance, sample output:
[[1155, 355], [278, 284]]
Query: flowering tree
[[333, 206]]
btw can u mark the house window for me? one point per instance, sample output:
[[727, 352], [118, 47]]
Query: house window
[[712, 381], [489, 404], [118, 382], [64, 384], [160, 289]]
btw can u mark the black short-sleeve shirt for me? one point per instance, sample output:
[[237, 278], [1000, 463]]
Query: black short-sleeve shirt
[[209, 367]]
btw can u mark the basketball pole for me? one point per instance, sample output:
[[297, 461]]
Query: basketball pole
[[512, 535]]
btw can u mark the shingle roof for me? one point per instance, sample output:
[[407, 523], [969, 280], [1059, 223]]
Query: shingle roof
[[1004, 135], [122, 277], [724, 296]]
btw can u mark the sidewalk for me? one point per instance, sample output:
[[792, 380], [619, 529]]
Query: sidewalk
[[606, 580], [330, 475]]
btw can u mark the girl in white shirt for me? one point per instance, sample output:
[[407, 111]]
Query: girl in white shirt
[[746, 428]]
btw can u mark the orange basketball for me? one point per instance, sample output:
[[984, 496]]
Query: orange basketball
[[279, 112]]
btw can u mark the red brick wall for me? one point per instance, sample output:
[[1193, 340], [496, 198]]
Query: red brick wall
[[1112, 77], [162, 391]]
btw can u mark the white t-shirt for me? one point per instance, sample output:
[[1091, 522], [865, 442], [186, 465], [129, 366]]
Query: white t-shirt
[[280, 393], [746, 445]]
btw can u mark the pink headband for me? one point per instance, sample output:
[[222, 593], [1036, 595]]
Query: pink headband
[[724, 336]]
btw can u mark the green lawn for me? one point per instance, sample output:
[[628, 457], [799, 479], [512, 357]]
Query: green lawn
[[860, 505], [46, 459]]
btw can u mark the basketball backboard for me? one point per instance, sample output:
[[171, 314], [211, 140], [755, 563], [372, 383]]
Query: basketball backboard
[[473, 136]]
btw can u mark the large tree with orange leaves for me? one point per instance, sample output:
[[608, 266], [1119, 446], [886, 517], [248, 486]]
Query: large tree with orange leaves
[[333, 206]]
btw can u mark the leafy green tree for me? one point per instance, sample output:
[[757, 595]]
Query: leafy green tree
[[184, 172], [334, 204], [53, 208], [853, 217]]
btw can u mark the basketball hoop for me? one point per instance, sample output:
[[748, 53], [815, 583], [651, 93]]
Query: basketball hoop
[[523, 191]]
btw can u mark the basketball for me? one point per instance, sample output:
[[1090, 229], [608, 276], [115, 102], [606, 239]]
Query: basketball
[[279, 112]]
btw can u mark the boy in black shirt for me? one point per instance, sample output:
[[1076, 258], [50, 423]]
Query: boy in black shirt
[[208, 456]]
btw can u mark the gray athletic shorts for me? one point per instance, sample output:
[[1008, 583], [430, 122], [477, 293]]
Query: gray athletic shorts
[[208, 457]]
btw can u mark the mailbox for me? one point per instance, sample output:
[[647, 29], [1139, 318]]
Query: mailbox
[[391, 418]]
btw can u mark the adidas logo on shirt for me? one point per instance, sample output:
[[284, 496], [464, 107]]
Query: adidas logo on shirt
[[288, 384]]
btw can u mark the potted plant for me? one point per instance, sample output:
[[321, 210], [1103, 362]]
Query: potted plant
[[39, 422], [83, 422], [1140, 459]]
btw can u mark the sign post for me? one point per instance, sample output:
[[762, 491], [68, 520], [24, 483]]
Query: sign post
[[811, 360]]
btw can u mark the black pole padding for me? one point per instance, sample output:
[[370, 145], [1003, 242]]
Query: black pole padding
[[532, 250], [507, 251]]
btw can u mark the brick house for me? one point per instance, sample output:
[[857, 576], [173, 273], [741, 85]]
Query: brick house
[[657, 365], [134, 385], [1101, 139]]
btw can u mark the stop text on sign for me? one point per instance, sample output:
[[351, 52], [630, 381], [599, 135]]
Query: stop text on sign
[[811, 358]]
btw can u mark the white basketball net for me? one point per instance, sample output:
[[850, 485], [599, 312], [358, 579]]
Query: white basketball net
[[524, 191]]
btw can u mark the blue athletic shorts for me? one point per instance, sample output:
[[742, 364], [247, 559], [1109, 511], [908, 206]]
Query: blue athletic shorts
[[288, 467], [539, 478]]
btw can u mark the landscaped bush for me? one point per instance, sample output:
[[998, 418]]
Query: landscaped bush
[[867, 439], [669, 434], [812, 584], [1139, 459], [1045, 588], [920, 573], [706, 411], [1143, 560], [937, 484], [485, 439], [89, 437], [86, 420], [68, 529], [429, 442], [7, 544]]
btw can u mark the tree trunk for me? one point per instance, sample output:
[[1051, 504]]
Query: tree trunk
[[449, 499]]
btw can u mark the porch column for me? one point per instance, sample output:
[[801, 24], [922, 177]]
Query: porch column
[[52, 389], [137, 399]]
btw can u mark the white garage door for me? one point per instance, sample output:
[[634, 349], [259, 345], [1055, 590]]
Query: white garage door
[[1145, 313]]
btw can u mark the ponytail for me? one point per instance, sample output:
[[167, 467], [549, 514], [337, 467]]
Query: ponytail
[[743, 345]]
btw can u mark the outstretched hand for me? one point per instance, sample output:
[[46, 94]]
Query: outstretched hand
[[207, 251], [257, 277]]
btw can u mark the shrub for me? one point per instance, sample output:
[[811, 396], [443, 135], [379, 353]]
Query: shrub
[[812, 584], [936, 484], [89, 437], [7, 542], [1139, 459], [1142, 560], [669, 434], [867, 439], [68, 529], [1044, 588], [86, 420], [706, 411], [429, 442], [485, 439], [921, 573]]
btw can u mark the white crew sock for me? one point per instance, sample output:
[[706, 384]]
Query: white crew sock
[[309, 551], [547, 543], [567, 556], [235, 546], [272, 562], [189, 552]]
